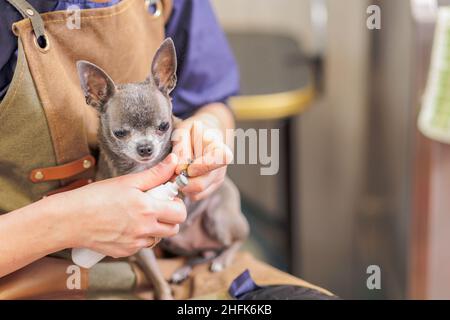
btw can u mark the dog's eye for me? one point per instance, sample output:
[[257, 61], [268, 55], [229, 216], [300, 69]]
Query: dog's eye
[[164, 126], [121, 133]]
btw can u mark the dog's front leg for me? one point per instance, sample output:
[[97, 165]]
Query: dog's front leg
[[147, 261]]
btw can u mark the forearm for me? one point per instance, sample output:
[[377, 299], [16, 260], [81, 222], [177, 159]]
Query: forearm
[[30, 233]]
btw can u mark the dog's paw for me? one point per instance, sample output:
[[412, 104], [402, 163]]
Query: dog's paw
[[216, 266], [181, 274]]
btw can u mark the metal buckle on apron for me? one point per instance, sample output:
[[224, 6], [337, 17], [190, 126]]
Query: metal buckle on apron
[[27, 11], [158, 7]]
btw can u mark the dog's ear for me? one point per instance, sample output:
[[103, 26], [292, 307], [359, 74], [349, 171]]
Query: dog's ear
[[97, 86], [164, 67]]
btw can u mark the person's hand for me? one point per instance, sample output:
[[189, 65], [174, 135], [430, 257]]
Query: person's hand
[[115, 217], [203, 148]]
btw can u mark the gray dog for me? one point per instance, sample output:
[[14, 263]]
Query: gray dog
[[136, 124]]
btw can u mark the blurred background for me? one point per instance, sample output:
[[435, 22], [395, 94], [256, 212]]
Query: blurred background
[[358, 184]]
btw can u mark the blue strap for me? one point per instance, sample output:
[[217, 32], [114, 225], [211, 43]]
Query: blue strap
[[242, 285]]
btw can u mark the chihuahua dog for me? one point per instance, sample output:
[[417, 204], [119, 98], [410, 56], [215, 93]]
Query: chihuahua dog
[[136, 125]]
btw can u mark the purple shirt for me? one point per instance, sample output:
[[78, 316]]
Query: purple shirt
[[207, 71]]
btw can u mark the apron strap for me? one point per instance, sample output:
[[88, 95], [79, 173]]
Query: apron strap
[[27, 11]]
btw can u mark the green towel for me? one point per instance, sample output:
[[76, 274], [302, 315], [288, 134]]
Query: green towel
[[434, 117]]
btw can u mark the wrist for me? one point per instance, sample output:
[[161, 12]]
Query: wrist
[[216, 115], [62, 222], [209, 120]]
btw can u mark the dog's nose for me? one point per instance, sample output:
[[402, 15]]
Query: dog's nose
[[144, 150]]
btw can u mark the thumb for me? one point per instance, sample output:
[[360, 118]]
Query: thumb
[[155, 176]]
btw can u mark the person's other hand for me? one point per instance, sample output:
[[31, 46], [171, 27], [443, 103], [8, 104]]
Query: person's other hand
[[203, 147]]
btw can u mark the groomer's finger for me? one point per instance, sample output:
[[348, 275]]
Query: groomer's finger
[[170, 211], [163, 230], [181, 139], [207, 192], [218, 155], [197, 132], [175, 216], [199, 184], [153, 177]]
